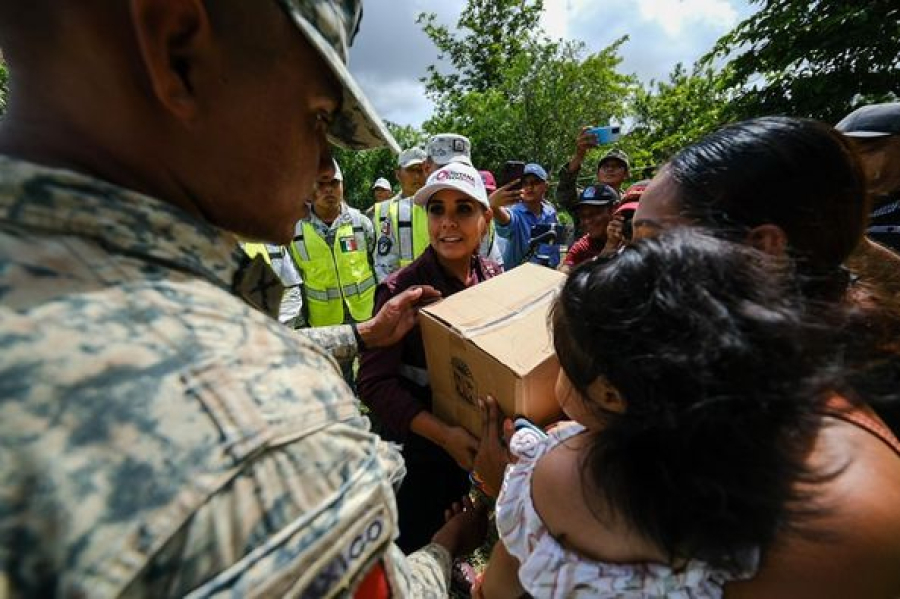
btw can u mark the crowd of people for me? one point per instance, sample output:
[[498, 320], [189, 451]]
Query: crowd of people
[[192, 317]]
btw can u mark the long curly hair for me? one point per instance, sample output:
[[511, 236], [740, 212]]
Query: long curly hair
[[723, 373]]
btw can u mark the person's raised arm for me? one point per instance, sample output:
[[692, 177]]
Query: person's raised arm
[[503, 197]]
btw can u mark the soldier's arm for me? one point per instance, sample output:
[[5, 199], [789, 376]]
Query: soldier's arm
[[295, 499], [567, 187], [396, 318], [338, 340]]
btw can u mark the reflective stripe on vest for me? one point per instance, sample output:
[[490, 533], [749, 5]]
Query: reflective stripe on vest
[[411, 224], [335, 276], [381, 214], [415, 375]]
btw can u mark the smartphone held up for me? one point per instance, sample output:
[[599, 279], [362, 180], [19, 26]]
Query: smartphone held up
[[607, 134]]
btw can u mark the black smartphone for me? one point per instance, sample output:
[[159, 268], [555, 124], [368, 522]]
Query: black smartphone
[[512, 170]]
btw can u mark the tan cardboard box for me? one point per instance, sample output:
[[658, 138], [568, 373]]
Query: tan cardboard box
[[494, 339]]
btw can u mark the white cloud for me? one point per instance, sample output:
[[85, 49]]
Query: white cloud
[[392, 53], [398, 100], [678, 16]]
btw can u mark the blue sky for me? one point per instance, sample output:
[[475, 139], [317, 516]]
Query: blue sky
[[391, 53]]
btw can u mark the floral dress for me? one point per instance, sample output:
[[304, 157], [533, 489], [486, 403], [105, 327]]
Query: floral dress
[[548, 569]]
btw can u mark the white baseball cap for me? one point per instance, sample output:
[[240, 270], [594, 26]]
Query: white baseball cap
[[456, 175], [382, 183], [449, 147], [338, 173]]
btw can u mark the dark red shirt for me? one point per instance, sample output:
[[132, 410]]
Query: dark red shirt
[[394, 398], [584, 249]]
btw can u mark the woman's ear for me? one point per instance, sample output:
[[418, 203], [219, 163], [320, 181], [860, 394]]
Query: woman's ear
[[609, 398], [768, 238]]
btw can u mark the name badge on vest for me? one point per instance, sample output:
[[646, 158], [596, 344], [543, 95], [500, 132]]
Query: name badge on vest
[[384, 245], [348, 244]]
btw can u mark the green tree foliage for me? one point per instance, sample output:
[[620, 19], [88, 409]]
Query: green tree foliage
[[530, 99], [4, 82], [813, 58], [669, 115], [362, 168], [492, 33]]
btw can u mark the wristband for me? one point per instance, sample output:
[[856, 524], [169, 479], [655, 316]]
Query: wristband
[[360, 344]]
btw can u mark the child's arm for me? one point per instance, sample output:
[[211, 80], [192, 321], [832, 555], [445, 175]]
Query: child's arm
[[500, 579]]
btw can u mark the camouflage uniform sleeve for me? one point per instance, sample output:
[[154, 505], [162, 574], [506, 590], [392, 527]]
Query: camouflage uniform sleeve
[[336, 340], [387, 252], [425, 573], [566, 187]]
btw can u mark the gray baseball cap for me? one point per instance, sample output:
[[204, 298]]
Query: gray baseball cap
[[330, 25], [875, 120], [411, 156], [449, 147]]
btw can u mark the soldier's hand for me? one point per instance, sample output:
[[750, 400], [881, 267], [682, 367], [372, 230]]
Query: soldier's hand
[[493, 455], [461, 445], [504, 196], [396, 317], [585, 142]]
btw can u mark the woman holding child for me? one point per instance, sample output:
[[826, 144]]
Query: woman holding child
[[721, 442]]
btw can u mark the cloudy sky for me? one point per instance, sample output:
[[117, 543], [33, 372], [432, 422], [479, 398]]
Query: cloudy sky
[[391, 53]]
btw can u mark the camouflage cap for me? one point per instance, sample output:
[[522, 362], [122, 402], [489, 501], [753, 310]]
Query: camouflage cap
[[330, 25], [615, 154]]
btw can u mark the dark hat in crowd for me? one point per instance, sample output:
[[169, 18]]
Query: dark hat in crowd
[[615, 154], [635, 191], [597, 195], [875, 120]]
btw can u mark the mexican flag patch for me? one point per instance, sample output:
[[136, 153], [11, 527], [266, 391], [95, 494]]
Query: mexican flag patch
[[348, 244]]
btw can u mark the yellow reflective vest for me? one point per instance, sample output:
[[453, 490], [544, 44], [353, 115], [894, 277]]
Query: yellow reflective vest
[[380, 213], [335, 276], [411, 225], [253, 249]]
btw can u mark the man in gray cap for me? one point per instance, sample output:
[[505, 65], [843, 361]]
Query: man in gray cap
[[401, 225], [162, 433], [444, 148]]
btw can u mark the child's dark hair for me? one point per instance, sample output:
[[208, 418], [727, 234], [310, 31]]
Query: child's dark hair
[[710, 346]]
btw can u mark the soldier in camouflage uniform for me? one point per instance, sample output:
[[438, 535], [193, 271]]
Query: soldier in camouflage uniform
[[161, 433]]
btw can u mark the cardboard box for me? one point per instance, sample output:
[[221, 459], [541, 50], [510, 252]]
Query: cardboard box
[[494, 339]]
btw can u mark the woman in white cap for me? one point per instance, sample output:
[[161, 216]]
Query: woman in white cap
[[393, 382]]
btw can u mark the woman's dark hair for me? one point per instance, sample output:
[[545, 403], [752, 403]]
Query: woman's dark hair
[[723, 375], [805, 177], [799, 174]]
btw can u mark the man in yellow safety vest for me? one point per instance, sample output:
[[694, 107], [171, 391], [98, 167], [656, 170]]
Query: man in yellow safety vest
[[402, 235], [331, 248]]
